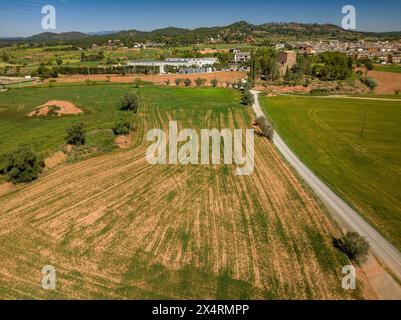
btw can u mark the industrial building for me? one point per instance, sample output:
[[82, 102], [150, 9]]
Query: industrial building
[[182, 65]]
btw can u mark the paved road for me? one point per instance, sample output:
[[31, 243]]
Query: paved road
[[347, 217]]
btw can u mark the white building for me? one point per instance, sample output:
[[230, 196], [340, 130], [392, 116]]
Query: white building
[[186, 63], [242, 57]]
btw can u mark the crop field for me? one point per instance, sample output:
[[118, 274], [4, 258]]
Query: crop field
[[117, 227], [47, 135], [360, 160], [388, 68]]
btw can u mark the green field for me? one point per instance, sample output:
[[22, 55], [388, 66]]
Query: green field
[[98, 102], [379, 96], [364, 169], [388, 68], [116, 227]]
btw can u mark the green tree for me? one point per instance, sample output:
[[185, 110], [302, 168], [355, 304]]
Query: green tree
[[129, 102], [287, 76], [177, 82], [59, 61], [265, 127], [247, 98], [76, 134], [214, 82], [21, 165], [354, 246], [199, 82], [123, 126], [5, 57], [137, 83], [371, 83], [333, 66], [187, 82]]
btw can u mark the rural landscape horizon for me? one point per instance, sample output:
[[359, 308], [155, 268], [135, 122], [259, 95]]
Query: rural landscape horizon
[[177, 152]]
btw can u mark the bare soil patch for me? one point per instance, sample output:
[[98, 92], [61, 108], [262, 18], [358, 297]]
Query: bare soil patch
[[6, 187], [124, 142], [55, 160], [55, 107], [387, 82]]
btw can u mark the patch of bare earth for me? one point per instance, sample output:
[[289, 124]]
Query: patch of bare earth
[[6, 187], [55, 160], [124, 142], [387, 82], [55, 107]]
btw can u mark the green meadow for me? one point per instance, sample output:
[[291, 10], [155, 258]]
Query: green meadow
[[353, 145]]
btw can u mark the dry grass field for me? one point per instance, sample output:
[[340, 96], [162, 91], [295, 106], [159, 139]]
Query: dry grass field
[[115, 227]]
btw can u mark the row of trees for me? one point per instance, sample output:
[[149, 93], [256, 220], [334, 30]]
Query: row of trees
[[92, 57], [326, 66], [188, 82]]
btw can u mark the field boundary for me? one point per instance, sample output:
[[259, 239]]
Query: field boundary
[[347, 217]]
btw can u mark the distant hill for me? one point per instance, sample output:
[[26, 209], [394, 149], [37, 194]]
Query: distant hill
[[49, 36], [101, 33], [235, 32]]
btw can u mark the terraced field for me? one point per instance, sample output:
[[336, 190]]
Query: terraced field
[[116, 227]]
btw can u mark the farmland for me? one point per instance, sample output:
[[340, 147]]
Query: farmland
[[116, 227], [387, 82], [388, 68], [47, 135], [361, 162]]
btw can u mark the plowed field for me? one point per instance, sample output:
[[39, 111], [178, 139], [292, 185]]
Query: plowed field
[[116, 227]]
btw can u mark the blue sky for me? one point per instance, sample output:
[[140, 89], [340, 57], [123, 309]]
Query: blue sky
[[23, 17]]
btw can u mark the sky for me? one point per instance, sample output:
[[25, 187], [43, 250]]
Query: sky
[[24, 17]]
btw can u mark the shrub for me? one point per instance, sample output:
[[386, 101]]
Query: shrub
[[76, 135], [200, 81], [177, 82], [371, 83], [167, 82], [247, 98], [214, 82], [137, 83], [266, 127], [319, 92], [21, 166], [123, 126], [129, 102], [354, 246], [187, 82], [5, 57], [397, 92]]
